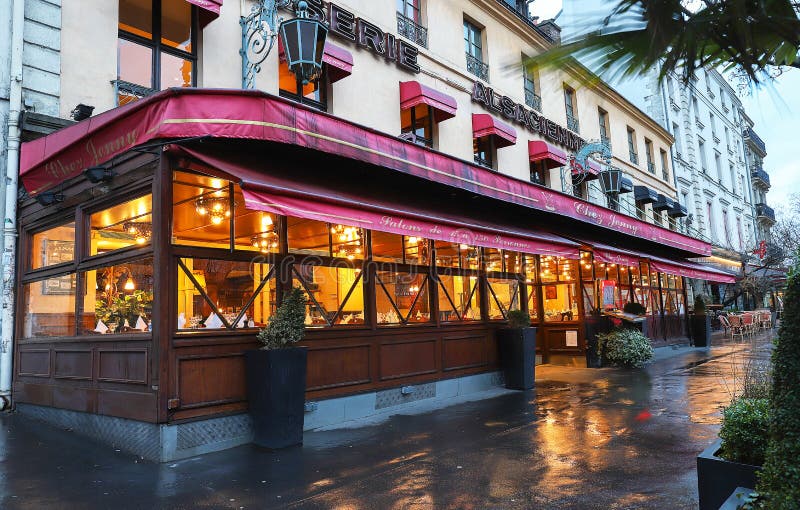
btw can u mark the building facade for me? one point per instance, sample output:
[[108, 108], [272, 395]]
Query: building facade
[[426, 183]]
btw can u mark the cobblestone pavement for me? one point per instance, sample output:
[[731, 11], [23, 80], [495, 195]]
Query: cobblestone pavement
[[584, 439]]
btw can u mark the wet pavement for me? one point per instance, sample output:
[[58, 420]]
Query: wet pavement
[[585, 439]]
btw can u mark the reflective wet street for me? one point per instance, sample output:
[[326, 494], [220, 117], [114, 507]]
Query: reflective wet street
[[605, 439]]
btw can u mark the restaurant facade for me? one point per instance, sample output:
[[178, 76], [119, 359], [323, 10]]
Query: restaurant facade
[[415, 192]]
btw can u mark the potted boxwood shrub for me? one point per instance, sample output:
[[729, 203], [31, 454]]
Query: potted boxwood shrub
[[624, 347], [276, 376], [518, 351], [701, 324], [736, 458]]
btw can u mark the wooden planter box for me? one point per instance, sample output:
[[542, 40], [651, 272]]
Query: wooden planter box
[[717, 478]]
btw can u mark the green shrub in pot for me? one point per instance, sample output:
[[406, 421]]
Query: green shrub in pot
[[625, 347], [517, 319], [745, 431]]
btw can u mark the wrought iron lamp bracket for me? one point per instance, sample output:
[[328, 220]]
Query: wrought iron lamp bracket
[[577, 162], [259, 32]]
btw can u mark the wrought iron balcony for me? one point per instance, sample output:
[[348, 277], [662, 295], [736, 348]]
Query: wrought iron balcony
[[572, 123], [634, 158], [606, 140], [651, 167], [477, 67], [760, 176], [412, 31], [675, 106], [755, 140], [127, 92], [699, 124], [533, 100], [765, 213]]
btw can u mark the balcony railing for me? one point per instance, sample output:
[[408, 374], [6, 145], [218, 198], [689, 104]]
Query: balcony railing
[[477, 67], [755, 140], [412, 31], [606, 140], [700, 124], [127, 92], [675, 106], [651, 167], [572, 123], [760, 176], [634, 158], [765, 212], [533, 100]]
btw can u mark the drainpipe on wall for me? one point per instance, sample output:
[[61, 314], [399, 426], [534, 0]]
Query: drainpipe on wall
[[9, 246]]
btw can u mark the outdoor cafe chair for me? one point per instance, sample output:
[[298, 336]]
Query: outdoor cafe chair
[[766, 320], [726, 325], [737, 327], [749, 323]]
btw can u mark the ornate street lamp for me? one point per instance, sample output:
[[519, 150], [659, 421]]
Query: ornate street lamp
[[610, 181], [303, 41]]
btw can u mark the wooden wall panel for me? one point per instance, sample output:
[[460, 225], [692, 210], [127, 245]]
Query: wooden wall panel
[[338, 366], [126, 366], [34, 362], [72, 364], [407, 358], [212, 379], [459, 352]]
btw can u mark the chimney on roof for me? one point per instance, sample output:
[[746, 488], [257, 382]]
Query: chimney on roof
[[551, 30]]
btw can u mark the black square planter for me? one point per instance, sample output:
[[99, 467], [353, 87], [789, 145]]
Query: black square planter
[[518, 356], [276, 392], [717, 478], [701, 330]]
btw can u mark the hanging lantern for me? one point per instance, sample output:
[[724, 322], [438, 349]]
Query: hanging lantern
[[303, 44], [610, 180]]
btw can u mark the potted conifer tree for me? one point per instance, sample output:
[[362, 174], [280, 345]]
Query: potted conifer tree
[[518, 351], [701, 324], [276, 376]]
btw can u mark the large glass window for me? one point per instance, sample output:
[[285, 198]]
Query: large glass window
[[201, 211], [559, 290], [416, 124], [155, 49], [53, 246], [483, 150], [504, 294], [313, 93], [121, 226], [335, 293], [48, 307], [224, 294], [402, 297], [472, 41], [462, 256], [118, 299], [459, 298], [410, 9]]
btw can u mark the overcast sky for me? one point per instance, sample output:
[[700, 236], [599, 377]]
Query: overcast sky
[[774, 107]]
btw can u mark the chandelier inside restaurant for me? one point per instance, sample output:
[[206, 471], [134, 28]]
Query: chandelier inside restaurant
[[141, 231], [267, 240], [215, 205], [348, 241]]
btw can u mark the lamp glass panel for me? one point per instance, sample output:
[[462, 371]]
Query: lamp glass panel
[[121, 226], [53, 246], [118, 299], [194, 197], [48, 307]]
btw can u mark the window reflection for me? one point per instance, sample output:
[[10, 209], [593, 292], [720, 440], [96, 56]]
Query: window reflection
[[121, 226], [49, 307]]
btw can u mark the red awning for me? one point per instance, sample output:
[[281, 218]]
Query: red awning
[[484, 124], [267, 193], [690, 269], [254, 115], [209, 10], [338, 59], [413, 93], [612, 255], [551, 156]]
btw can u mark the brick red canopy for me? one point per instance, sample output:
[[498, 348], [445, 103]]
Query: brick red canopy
[[254, 115], [484, 124], [691, 270], [414, 93]]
